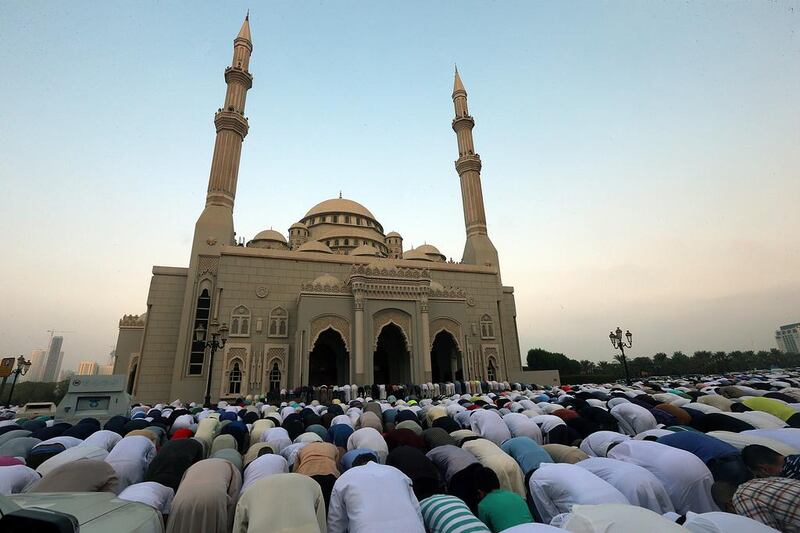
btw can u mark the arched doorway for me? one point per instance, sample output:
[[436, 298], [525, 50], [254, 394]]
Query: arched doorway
[[329, 360], [445, 359], [391, 362], [132, 376]]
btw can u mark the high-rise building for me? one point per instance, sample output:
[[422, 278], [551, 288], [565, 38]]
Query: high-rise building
[[788, 338], [87, 368], [52, 365], [35, 372]]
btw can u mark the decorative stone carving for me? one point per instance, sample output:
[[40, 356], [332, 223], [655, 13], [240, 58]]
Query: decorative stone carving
[[337, 323], [471, 301], [325, 284], [132, 321], [449, 325], [262, 292], [207, 265], [391, 316]]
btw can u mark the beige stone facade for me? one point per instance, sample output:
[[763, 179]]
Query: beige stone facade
[[336, 300]]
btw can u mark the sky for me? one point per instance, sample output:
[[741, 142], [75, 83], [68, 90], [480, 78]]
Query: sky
[[641, 160]]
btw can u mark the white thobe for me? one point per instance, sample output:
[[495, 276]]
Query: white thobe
[[156, 495], [16, 478], [633, 418], [718, 522], [370, 439], [556, 487], [130, 458], [522, 426], [788, 436], [686, 478], [263, 466], [489, 424], [102, 439], [71, 454], [638, 484], [373, 498]]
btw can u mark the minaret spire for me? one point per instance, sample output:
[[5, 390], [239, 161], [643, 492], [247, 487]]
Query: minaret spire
[[478, 250]]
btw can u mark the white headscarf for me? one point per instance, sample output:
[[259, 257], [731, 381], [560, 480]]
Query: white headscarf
[[102, 439]]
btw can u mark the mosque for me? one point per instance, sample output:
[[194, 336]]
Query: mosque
[[338, 301]]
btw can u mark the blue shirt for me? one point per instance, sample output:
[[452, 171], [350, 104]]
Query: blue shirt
[[703, 446], [527, 453]]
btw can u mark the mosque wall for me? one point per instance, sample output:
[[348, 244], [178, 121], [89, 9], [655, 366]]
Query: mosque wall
[[160, 335]]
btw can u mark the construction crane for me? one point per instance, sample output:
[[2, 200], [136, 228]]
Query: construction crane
[[54, 331]]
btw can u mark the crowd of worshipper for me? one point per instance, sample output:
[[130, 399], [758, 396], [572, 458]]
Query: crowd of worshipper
[[703, 455]]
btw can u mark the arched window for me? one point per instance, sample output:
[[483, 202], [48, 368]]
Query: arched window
[[487, 327], [491, 371], [240, 322], [201, 315], [278, 323], [235, 379], [275, 378], [347, 242]]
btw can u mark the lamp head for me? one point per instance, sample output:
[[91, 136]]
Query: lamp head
[[223, 331], [199, 332]]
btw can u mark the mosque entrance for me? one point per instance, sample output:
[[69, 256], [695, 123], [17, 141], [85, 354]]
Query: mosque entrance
[[445, 358], [328, 363], [391, 361]]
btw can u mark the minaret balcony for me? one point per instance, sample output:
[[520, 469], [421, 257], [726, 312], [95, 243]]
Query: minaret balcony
[[468, 162], [465, 122], [231, 120], [237, 74]]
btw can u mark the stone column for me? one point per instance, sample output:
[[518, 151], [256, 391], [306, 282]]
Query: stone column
[[426, 337], [359, 336]]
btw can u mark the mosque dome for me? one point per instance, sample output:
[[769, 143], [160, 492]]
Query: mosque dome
[[298, 225], [340, 205], [269, 239], [269, 235], [393, 234], [415, 255], [366, 250], [432, 252], [315, 246], [344, 225]]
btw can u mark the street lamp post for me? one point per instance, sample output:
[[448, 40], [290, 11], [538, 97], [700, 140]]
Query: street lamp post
[[620, 344], [22, 368], [219, 335]]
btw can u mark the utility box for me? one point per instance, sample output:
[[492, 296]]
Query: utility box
[[99, 397]]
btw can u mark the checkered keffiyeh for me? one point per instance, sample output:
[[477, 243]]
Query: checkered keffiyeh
[[774, 501]]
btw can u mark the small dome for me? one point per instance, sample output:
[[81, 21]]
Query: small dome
[[315, 246], [416, 255], [431, 251], [326, 280], [339, 205], [394, 234], [365, 250], [269, 235], [298, 225]]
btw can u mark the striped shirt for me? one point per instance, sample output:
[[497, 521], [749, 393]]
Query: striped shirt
[[448, 514]]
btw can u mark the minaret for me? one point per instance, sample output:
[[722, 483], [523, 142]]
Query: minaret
[[478, 249], [215, 225]]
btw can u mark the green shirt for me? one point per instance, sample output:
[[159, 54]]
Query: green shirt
[[448, 514], [501, 509]]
